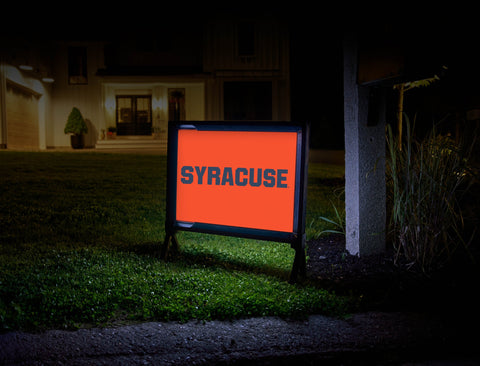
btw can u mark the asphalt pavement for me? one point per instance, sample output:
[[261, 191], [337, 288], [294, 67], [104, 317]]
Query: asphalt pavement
[[373, 338]]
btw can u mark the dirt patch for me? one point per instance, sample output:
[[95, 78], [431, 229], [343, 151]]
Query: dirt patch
[[382, 285]]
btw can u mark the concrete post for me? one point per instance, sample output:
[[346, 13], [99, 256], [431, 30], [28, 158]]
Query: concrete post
[[365, 193]]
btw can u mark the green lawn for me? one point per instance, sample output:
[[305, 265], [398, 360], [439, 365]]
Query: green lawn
[[80, 235]]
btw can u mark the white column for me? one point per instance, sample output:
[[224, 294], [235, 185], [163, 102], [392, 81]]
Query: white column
[[365, 193]]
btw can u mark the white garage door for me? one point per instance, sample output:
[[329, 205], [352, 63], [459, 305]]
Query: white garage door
[[22, 118]]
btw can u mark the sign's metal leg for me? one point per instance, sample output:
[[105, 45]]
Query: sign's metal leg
[[299, 267], [169, 237]]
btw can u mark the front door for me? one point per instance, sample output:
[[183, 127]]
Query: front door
[[134, 115]]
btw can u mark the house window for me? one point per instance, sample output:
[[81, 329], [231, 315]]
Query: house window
[[247, 101], [176, 104], [246, 39], [134, 115], [77, 65]]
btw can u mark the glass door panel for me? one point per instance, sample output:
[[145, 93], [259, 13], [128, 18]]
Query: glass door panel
[[134, 115]]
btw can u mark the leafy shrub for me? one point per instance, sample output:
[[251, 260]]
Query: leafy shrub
[[425, 180], [75, 123]]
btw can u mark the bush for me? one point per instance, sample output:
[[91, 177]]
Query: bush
[[425, 180], [75, 123]]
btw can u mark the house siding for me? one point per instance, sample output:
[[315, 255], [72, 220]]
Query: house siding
[[86, 97]]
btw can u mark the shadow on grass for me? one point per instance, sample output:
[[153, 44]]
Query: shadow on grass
[[220, 261], [154, 249], [151, 249]]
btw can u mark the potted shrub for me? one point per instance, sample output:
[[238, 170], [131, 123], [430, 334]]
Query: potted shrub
[[77, 127], [112, 133]]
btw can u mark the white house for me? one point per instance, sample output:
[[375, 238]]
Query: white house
[[135, 81]]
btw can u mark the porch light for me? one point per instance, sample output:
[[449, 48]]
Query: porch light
[[110, 103], [48, 79], [25, 67], [157, 103]]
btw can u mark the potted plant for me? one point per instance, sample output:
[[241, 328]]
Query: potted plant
[[112, 133], [77, 127]]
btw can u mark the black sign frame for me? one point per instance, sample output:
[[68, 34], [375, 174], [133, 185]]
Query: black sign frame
[[296, 237]]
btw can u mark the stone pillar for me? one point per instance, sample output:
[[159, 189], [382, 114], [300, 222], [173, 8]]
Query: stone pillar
[[365, 193]]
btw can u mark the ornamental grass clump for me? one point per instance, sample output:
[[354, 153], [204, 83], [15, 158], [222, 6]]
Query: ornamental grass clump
[[425, 181]]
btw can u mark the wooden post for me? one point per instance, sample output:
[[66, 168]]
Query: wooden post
[[401, 90]]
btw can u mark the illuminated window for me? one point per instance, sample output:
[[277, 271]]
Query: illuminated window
[[176, 104]]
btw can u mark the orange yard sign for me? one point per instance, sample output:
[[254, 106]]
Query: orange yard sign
[[237, 178], [245, 179]]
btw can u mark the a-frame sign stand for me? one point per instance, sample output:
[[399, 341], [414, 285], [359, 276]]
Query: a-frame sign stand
[[170, 237], [299, 268], [295, 237]]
